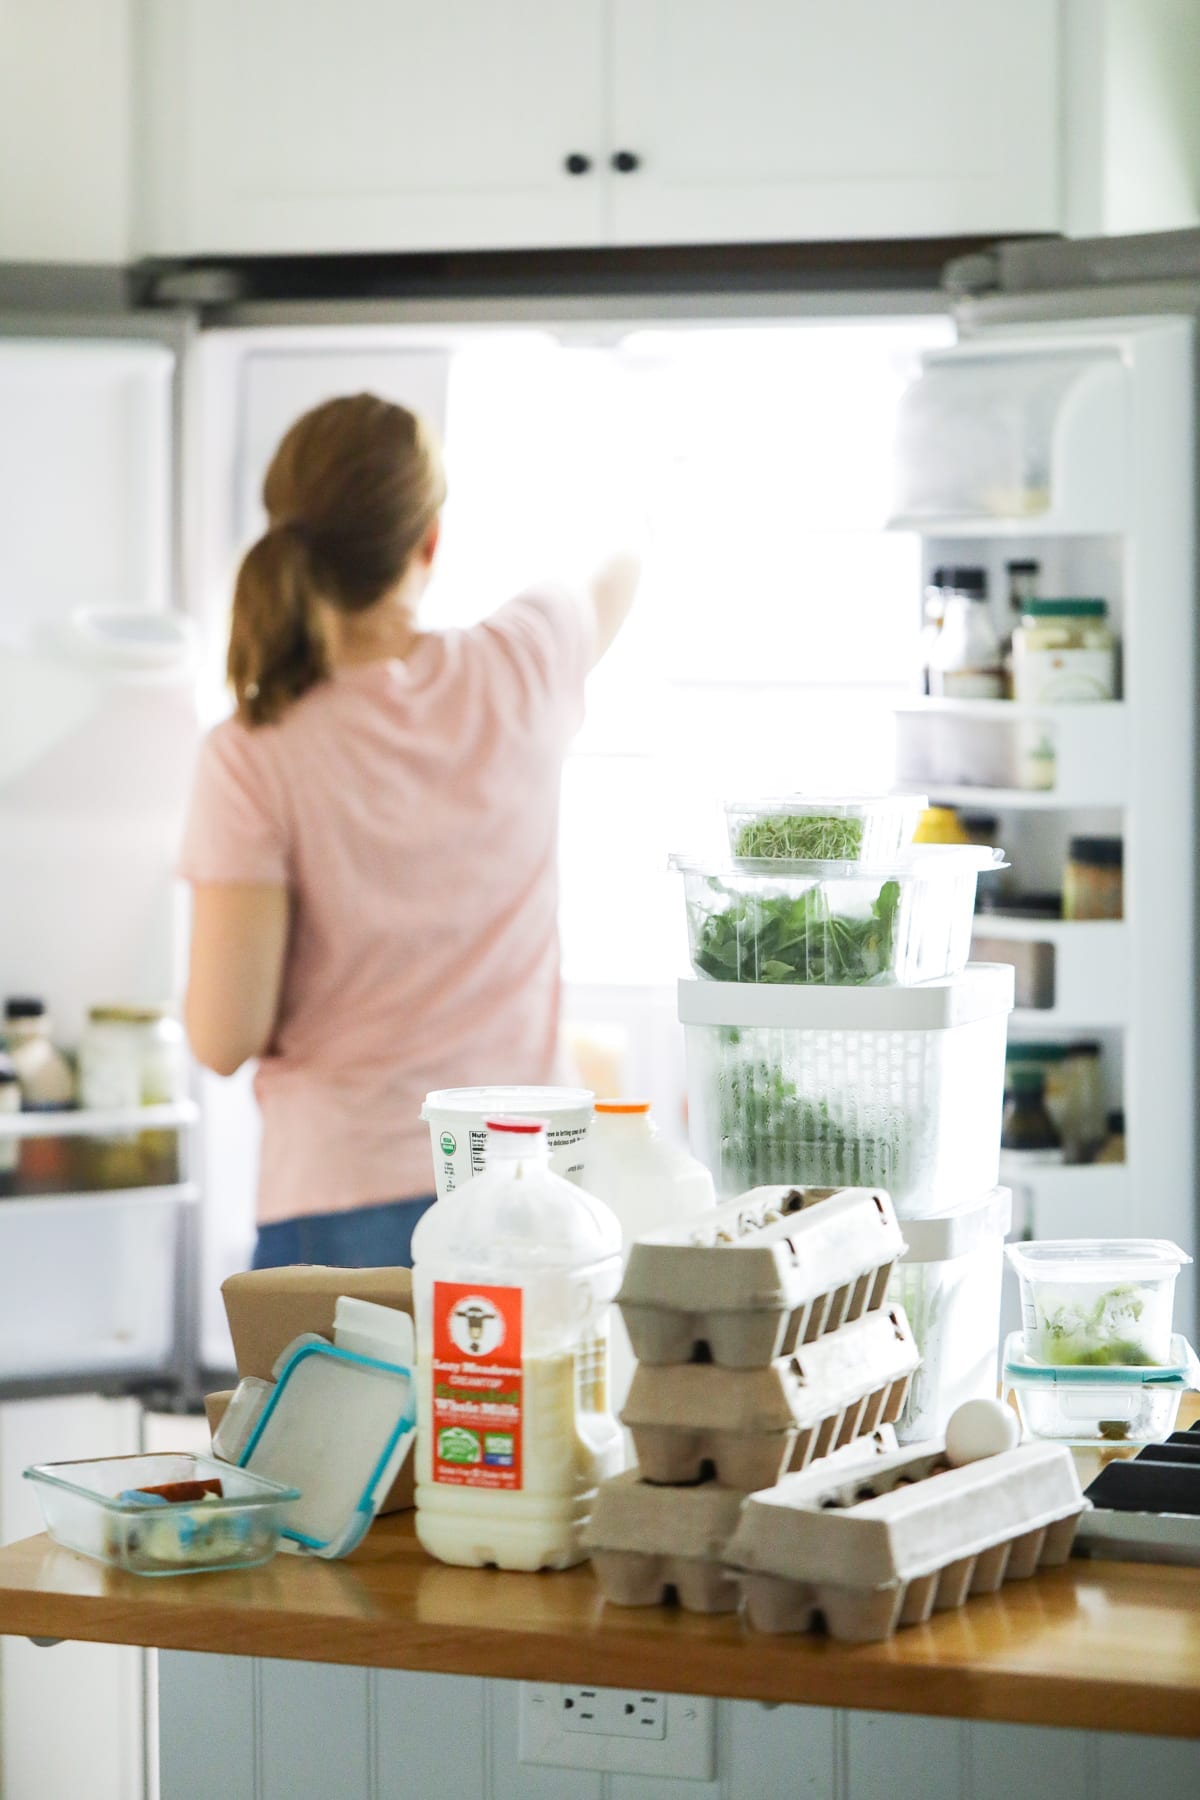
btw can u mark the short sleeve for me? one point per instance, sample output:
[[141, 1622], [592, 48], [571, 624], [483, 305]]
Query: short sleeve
[[236, 829], [547, 637]]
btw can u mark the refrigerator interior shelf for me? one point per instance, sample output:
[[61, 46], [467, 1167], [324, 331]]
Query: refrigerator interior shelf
[[1097, 713], [179, 1193], [1001, 799], [1048, 524], [85, 1122], [1091, 967], [1075, 1199], [1104, 938]]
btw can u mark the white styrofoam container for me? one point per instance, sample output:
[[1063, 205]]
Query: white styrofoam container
[[897, 1088], [948, 1283], [87, 1283]]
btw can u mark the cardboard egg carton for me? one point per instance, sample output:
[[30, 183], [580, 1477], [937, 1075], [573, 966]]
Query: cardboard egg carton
[[913, 1536], [648, 1543], [749, 1427], [758, 1275]]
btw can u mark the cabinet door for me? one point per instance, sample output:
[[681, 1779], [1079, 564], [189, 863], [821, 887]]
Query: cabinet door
[[373, 125], [802, 119]]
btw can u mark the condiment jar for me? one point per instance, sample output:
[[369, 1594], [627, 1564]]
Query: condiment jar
[[46, 1078], [1093, 879], [130, 1057], [1064, 650], [1029, 1133], [10, 1104]]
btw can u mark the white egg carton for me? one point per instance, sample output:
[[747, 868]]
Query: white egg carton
[[777, 1267], [869, 1552], [749, 1427], [648, 1542]]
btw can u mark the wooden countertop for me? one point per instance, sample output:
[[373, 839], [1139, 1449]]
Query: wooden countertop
[[1100, 1645]]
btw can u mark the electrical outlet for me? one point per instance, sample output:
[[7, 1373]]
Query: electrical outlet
[[614, 1712], [624, 1731]]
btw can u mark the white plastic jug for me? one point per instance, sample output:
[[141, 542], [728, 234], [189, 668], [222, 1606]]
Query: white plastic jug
[[648, 1184], [513, 1279]]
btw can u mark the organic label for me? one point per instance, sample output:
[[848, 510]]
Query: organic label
[[449, 1143], [477, 1385]]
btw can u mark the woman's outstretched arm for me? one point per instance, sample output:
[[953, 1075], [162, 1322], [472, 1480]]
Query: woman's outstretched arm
[[239, 941]]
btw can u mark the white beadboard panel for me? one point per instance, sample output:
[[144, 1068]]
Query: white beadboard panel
[[890, 1756], [206, 1726], [430, 1739], [661, 1787], [511, 1779], [1004, 1760], [768, 1750], [314, 1732], [1125, 1764]]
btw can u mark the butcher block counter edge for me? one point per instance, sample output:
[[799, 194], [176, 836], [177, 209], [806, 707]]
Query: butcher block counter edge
[[1095, 1645]]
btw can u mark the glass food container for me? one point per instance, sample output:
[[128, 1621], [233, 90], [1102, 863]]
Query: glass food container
[[1093, 879], [129, 1057], [1081, 1405], [93, 1507], [800, 828], [834, 924], [1096, 1302]]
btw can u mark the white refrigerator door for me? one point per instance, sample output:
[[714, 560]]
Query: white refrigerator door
[[1062, 428]]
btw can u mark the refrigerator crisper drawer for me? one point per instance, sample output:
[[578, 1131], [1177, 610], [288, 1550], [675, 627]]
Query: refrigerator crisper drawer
[[897, 1088], [88, 1284]]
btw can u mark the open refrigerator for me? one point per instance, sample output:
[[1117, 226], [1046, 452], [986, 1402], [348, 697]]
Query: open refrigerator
[[1056, 419]]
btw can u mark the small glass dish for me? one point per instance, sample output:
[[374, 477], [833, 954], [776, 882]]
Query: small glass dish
[[1098, 1302], [89, 1507], [1079, 1405], [803, 828]]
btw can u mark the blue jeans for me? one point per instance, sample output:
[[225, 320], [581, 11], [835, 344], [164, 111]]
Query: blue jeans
[[364, 1237]]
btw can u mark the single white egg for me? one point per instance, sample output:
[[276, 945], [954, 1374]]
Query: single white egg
[[980, 1428]]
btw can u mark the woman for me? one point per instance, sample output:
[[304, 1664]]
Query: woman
[[372, 837]]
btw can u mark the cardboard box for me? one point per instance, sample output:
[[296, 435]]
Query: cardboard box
[[267, 1308]]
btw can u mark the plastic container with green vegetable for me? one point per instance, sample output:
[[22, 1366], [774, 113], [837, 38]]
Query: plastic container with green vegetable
[[800, 828], [1098, 1303], [834, 924]]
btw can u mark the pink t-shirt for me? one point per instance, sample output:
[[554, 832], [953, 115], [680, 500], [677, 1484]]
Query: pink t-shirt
[[411, 809]]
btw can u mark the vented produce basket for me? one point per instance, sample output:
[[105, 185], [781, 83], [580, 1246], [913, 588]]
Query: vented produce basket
[[898, 1088]]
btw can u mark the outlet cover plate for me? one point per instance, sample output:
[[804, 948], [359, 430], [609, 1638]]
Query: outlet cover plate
[[572, 1727]]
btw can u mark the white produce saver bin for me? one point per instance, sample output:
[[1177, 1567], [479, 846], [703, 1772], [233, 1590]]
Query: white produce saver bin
[[88, 1283], [948, 1283], [898, 1088]]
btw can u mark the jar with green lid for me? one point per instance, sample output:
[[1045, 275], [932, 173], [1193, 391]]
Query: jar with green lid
[[1029, 1133], [1094, 878], [1064, 651]]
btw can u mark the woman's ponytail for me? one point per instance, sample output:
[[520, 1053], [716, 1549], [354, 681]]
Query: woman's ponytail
[[276, 643], [351, 494]]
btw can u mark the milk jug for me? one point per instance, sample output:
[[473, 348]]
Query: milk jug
[[648, 1184], [513, 1279]]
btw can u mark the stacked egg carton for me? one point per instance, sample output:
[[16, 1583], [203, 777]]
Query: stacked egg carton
[[836, 1037], [765, 1347]]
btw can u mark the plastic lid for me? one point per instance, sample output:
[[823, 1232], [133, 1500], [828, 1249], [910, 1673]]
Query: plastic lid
[[24, 1007], [961, 1231], [1021, 1371], [1067, 609], [967, 579], [513, 1137], [1098, 852], [839, 807], [1023, 1052], [1097, 1259], [518, 1127], [919, 862], [617, 1108], [508, 1102], [1085, 1047], [981, 991]]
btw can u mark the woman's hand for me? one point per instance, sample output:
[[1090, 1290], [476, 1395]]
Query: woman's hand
[[239, 941], [611, 590]]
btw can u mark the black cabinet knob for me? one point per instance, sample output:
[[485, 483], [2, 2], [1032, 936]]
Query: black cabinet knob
[[625, 162], [577, 164]]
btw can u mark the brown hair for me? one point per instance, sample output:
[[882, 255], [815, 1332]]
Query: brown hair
[[350, 494]]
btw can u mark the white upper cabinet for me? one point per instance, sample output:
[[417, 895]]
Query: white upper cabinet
[[301, 126], [282, 126], [809, 119]]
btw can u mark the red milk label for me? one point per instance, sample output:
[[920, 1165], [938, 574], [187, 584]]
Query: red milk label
[[477, 1385]]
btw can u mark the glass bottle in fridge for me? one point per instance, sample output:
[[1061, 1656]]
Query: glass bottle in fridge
[[513, 1279], [648, 1183], [1029, 1135], [10, 1105], [1064, 651], [46, 1077], [1023, 577], [965, 662]]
